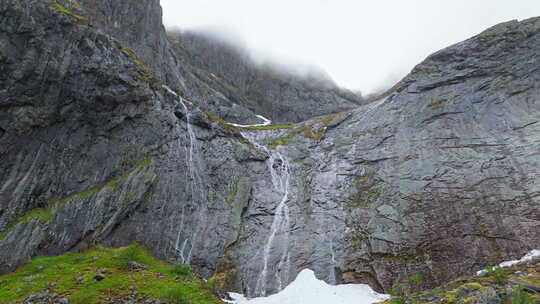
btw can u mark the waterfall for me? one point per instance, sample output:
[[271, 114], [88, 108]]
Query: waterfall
[[196, 184], [278, 166]]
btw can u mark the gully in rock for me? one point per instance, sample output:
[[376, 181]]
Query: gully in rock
[[280, 171], [196, 185]]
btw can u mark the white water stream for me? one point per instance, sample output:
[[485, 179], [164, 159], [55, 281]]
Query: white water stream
[[306, 288], [278, 166], [196, 184]]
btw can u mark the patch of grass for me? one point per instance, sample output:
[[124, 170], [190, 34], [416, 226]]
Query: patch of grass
[[437, 103], [71, 276], [307, 130], [282, 141], [130, 254], [424, 72], [226, 125], [62, 10], [176, 296], [41, 215], [233, 189], [416, 279], [269, 127], [111, 184], [397, 300], [497, 274], [367, 197], [44, 215], [330, 118], [147, 75], [182, 271], [520, 296]]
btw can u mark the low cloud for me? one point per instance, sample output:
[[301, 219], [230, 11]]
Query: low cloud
[[362, 45]]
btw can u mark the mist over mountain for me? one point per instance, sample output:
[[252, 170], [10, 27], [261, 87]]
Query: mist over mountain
[[144, 166], [283, 93]]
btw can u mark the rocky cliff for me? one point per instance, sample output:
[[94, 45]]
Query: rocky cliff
[[108, 136], [282, 94]]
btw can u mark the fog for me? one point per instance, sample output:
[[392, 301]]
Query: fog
[[362, 45]]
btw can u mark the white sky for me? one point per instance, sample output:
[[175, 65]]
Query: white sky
[[363, 45]]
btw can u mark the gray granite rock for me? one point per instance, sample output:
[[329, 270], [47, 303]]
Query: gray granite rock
[[438, 179]]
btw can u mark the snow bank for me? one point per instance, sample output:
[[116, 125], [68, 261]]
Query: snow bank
[[307, 289], [528, 257], [265, 122]]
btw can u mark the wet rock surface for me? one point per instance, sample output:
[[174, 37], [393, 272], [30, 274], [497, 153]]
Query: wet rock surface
[[438, 179]]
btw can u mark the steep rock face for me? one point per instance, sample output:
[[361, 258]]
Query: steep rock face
[[438, 179], [282, 95], [441, 177], [71, 102], [138, 26]]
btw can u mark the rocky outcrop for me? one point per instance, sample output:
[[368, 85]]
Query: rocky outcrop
[[517, 284], [439, 178], [279, 93], [106, 136]]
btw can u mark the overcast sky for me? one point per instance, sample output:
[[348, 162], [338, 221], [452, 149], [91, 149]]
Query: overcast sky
[[362, 45]]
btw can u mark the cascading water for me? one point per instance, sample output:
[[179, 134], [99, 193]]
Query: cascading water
[[280, 173], [196, 185]]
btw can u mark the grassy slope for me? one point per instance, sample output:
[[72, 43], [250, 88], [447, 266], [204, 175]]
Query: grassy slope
[[72, 276], [517, 285]]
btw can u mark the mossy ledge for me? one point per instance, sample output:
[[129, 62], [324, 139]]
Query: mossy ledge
[[42, 216], [517, 284], [63, 10], [74, 276]]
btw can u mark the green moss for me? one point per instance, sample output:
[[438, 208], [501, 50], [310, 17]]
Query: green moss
[[424, 72], [233, 189], [363, 179], [44, 215], [269, 127], [416, 279], [308, 132], [111, 184], [330, 118], [367, 198], [62, 10], [520, 296], [213, 117], [357, 243], [282, 141], [72, 276], [497, 274], [182, 271], [147, 75], [437, 103]]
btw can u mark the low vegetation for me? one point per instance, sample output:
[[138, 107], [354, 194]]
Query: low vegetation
[[63, 10], [518, 284], [101, 275]]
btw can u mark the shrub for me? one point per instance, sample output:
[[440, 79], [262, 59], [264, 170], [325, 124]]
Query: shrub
[[130, 254], [497, 273], [175, 296], [397, 300], [520, 296], [398, 294], [181, 270], [416, 279]]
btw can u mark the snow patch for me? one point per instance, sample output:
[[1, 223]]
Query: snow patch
[[528, 257], [307, 289], [265, 122]]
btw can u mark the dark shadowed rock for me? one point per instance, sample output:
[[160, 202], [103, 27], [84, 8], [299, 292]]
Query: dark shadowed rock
[[436, 180]]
